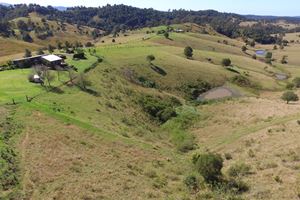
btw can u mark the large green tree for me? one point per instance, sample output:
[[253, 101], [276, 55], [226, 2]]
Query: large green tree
[[188, 52]]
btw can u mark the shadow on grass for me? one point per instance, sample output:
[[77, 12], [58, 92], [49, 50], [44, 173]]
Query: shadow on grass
[[92, 92], [89, 91], [158, 70], [57, 90]]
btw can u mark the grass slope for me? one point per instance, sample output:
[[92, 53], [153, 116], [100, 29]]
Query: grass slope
[[78, 145]]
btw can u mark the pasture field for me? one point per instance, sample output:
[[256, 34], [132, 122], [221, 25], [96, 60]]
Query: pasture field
[[14, 84], [100, 142]]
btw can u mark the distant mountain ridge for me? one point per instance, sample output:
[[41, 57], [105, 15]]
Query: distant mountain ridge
[[60, 8], [271, 17], [250, 16], [4, 4], [119, 18]]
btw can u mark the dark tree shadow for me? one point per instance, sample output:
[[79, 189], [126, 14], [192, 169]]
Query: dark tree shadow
[[158, 70], [89, 91], [248, 54], [57, 90], [92, 92]]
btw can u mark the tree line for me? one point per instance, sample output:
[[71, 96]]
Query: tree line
[[118, 18]]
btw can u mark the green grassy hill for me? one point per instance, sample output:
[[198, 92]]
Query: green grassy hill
[[111, 140]]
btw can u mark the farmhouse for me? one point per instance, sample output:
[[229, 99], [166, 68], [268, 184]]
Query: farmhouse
[[51, 60], [48, 60]]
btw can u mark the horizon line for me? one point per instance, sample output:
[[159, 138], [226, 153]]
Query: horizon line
[[170, 9]]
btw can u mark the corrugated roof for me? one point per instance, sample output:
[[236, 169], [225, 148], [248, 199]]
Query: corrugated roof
[[52, 58], [27, 58]]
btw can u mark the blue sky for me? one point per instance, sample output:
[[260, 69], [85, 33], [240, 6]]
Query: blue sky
[[259, 7]]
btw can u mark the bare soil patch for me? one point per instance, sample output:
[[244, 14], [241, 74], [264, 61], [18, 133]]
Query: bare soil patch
[[219, 93]]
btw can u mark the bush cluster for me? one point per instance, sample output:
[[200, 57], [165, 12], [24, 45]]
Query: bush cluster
[[192, 90], [241, 81], [209, 166], [159, 108]]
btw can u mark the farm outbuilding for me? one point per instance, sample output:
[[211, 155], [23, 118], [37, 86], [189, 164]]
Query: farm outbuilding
[[27, 62], [52, 60]]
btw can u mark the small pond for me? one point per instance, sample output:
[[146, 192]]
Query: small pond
[[260, 52], [281, 77]]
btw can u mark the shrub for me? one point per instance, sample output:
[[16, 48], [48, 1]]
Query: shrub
[[192, 182], [226, 62], [146, 82], [150, 58], [284, 60], [194, 89], [160, 32], [269, 55], [237, 186], [268, 60], [209, 165], [80, 55], [241, 81], [240, 169], [40, 52], [26, 37], [252, 43], [289, 96], [27, 53], [159, 108], [278, 179], [89, 44], [187, 145], [100, 60], [166, 34], [296, 82], [228, 156], [166, 114], [290, 86], [244, 48]]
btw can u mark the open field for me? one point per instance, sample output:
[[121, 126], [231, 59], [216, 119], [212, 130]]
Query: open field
[[101, 143], [14, 84]]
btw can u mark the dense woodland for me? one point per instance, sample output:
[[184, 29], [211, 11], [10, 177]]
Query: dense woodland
[[116, 18]]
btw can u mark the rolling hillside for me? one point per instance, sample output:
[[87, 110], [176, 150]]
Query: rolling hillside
[[134, 131]]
